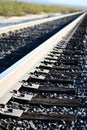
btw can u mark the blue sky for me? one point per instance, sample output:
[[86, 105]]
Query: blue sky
[[80, 3]]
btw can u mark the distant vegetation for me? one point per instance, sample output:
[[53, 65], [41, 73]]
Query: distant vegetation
[[15, 8]]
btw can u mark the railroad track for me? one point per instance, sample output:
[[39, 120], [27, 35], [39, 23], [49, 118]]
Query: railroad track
[[47, 90]]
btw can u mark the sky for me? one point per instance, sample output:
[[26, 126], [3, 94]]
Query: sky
[[79, 3]]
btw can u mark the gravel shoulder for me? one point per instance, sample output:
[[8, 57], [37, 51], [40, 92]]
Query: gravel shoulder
[[21, 18]]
